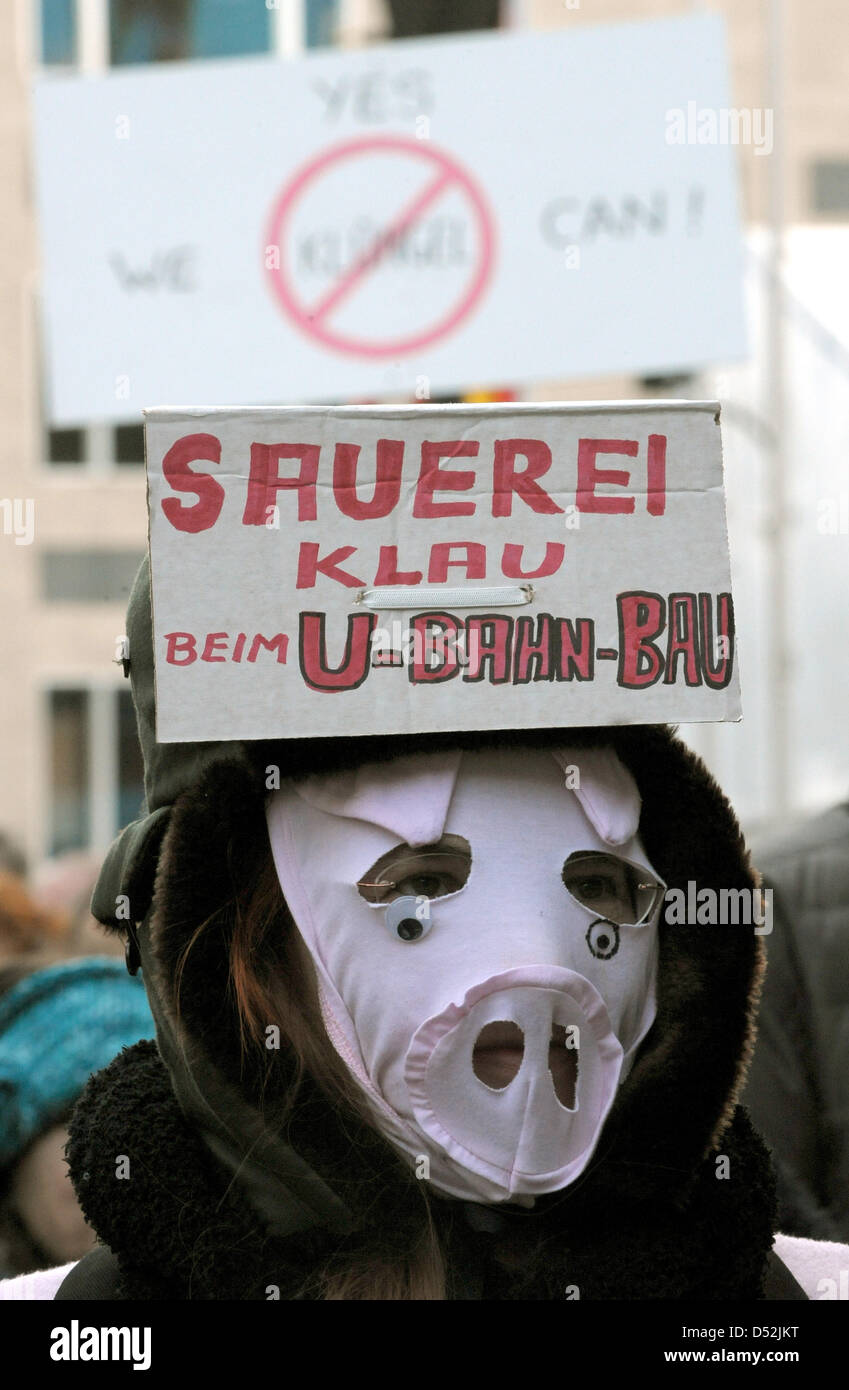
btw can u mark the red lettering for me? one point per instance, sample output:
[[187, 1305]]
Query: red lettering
[[388, 571], [641, 618], [434, 645], [432, 477], [264, 481], [278, 643], [506, 480], [387, 488], [215, 642], [441, 561], [177, 642], [310, 566], [656, 475], [513, 557], [717, 673], [576, 649], [239, 646], [588, 475], [209, 492], [533, 658], [312, 652], [489, 641], [683, 639]]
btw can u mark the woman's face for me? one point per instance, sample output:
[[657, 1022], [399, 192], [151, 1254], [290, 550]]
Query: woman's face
[[44, 1200]]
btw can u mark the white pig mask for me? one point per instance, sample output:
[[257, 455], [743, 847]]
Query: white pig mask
[[484, 932]]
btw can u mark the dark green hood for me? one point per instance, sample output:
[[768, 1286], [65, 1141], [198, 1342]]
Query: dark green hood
[[169, 768]]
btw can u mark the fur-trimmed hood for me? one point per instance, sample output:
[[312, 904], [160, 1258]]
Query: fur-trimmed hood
[[690, 1070], [650, 1198]]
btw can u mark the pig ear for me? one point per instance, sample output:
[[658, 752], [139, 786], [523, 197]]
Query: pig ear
[[409, 796], [607, 792]]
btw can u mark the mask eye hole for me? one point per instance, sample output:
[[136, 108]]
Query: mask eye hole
[[603, 939], [432, 871], [623, 893]]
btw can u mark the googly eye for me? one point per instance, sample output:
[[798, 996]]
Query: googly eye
[[603, 939], [408, 918]]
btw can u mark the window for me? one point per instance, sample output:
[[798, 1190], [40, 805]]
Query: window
[[69, 755], [95, 447], [58, 32], [66, 446], [129, 445], [830, 186], [88, 576], [161, 31], [156, 31], [96, 776], [322, 17]]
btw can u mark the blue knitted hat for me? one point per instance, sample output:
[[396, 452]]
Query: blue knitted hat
[[57, 1026]]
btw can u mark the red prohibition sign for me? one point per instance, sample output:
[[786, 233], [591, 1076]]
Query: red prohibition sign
[[446, 174]]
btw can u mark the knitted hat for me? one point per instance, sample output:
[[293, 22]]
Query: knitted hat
[[57, 1026]]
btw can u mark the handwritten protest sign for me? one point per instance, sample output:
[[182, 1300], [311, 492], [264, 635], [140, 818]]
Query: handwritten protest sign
[[407, 569]]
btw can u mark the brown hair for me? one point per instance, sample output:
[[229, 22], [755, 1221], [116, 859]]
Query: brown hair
[[24, 924], [271, 976]]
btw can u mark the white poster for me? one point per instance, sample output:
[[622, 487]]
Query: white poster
[[357, 570], [406, 219]]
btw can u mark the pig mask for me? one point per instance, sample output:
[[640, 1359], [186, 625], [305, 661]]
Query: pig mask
[[502, 1114]]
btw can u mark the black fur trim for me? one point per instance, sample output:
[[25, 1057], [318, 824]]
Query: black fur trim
[[181, 1230], [684, 1085]]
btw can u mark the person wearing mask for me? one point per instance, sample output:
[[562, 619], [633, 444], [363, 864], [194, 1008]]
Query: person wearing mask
[[424, 1029]]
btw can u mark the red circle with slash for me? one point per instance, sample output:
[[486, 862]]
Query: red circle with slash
[[442, 174]]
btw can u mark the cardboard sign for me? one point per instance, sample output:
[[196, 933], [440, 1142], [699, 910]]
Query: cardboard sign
[[370, 570], [404, 219]]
